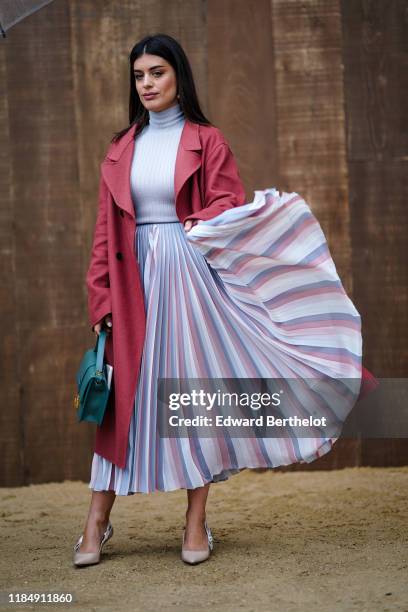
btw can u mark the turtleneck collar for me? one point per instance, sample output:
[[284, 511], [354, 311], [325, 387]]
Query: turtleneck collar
[[166, 118]]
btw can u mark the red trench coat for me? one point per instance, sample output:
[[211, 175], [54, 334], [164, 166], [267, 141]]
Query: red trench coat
[[206, 182]]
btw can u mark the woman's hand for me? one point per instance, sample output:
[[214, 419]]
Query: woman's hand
[[104, 324], [190, 223]]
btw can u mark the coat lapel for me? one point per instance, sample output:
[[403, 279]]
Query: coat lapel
[[116, 166]]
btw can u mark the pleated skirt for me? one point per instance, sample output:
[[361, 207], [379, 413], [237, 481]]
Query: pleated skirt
[[251, 293]]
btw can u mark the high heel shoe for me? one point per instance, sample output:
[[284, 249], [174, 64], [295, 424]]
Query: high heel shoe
[[90, 558], [197, 556]]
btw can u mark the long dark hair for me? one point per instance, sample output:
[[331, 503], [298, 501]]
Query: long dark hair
[[167, 47]]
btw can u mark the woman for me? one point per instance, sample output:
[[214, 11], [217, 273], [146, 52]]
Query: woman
[[183, 279]]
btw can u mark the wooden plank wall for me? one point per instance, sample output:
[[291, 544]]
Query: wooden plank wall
[[310, 95], [44, 249], [375, 52]]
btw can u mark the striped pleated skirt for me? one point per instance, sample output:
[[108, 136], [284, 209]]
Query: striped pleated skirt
[[251, 293]]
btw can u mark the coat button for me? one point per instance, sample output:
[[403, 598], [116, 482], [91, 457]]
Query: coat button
[[121, 213], [119, 255]]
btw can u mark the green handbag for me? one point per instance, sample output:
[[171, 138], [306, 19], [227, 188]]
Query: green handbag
[[92, 383]]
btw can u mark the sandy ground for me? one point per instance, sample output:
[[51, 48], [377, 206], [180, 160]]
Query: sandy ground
[[323, 540]]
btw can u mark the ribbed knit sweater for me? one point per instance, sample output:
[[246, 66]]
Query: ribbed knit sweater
[[153, 166]]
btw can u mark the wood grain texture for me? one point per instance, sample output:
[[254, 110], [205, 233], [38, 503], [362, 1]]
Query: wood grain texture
[[48, 255], [375, 50], [241, 87], [11, 422], [376, 58], [310, 110]]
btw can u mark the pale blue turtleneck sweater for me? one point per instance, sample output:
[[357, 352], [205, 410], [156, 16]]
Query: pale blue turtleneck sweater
[[153, 166]]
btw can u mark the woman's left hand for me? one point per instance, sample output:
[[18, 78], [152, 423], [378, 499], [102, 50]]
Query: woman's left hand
[[190, 223]]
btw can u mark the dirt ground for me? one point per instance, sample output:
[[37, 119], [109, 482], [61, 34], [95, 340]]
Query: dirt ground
[[323, 540]]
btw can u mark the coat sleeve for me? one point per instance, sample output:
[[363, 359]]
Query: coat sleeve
[[223, 185], [97, 277]]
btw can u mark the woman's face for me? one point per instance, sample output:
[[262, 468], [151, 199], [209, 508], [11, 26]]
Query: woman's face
[[154, 75]]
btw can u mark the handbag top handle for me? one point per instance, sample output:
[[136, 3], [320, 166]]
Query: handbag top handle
[[100, 348]]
